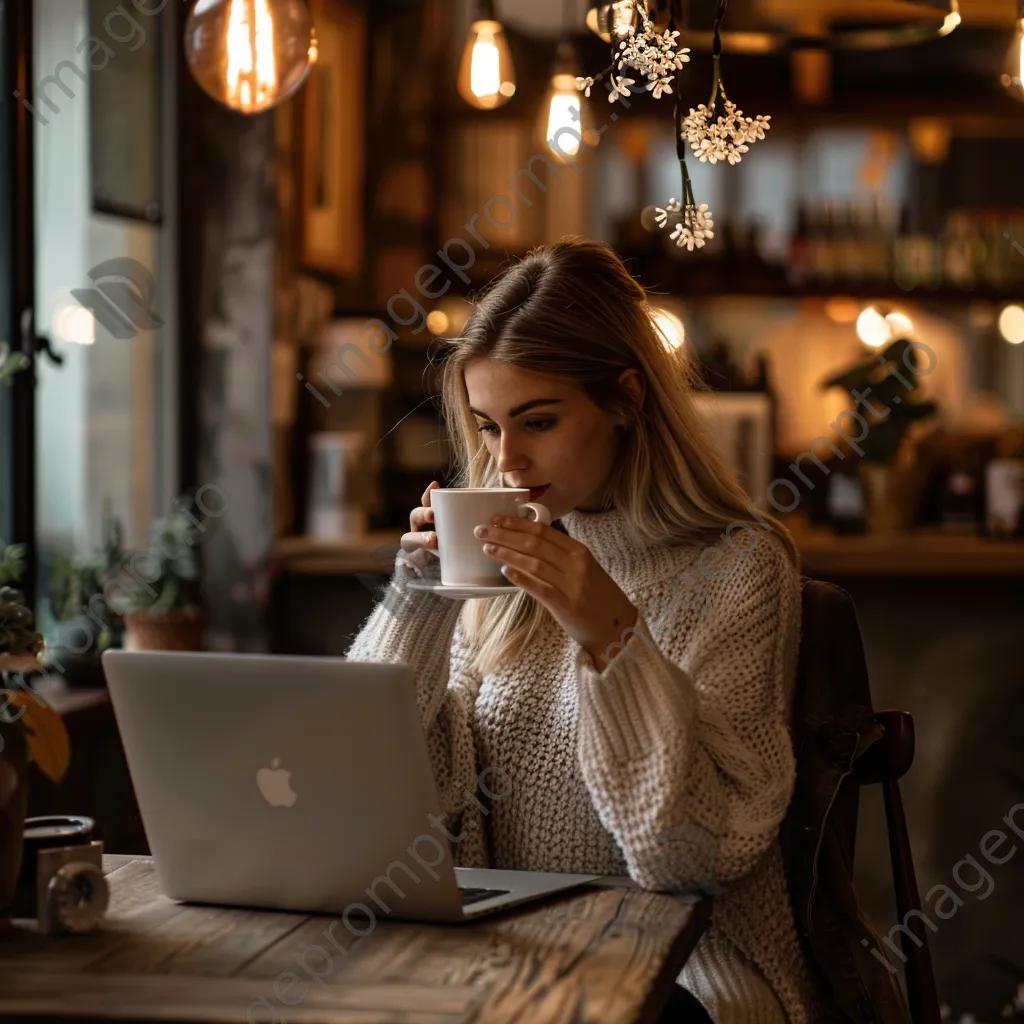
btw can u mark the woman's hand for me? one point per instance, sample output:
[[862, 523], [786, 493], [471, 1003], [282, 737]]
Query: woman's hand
[[420, 517], [565, 577]]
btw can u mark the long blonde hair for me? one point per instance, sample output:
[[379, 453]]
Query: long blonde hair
[[572, 310]]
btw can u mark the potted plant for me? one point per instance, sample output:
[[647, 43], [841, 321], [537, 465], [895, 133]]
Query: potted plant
[[19, 642], [10, 363], [30, 730], [82, 602], [163, 610], [886, 392]]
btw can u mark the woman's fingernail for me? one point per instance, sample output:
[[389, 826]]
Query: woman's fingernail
[[489, 548], [480, 531]]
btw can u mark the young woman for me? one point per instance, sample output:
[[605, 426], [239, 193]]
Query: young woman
[[633, 696]]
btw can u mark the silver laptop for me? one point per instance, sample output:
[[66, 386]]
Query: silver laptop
[[299, 784]]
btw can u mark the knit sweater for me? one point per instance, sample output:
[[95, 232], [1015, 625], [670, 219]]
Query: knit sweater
[[674, 765]]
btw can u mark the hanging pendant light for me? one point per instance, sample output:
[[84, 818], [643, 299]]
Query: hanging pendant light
[[487, 77], [1012, 78], [250, 55], [562, 125], [613, 22]]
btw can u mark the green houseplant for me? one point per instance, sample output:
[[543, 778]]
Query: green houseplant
[[30, 730], [886, 392], [161, 600], [81, 599], [10, 363], [19, 642]]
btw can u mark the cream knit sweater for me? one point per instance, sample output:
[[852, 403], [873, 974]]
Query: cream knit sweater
[[674, 766]]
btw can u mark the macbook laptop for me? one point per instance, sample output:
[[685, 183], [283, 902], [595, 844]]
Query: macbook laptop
[[299, 784]]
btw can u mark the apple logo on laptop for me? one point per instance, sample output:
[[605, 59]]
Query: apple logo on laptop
[[275, 786]]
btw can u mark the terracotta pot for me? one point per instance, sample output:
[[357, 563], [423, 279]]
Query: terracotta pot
[[13, 807], [889, 497], [164, 631]]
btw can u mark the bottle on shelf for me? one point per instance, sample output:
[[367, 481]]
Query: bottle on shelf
[[914, 257], [846, 235], [958, 269], [1015, 229], [845, 501], [961, 496], [1004, 487], [798, 264], [878, 237], [822, 246], [994, 269]]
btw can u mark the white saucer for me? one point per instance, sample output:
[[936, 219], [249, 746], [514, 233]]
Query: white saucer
[[458, 592]]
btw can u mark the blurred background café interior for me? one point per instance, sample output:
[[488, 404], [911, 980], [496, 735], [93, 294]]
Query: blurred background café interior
[[231, 288]]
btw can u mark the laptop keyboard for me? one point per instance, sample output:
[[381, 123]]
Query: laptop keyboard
[[471, 895]]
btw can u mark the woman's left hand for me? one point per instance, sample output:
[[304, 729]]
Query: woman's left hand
[[565, 577]]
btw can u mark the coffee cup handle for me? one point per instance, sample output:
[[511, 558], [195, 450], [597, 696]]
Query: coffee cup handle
[[535, 512]]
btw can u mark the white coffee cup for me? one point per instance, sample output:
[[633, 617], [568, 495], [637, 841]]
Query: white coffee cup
[[458, 511]]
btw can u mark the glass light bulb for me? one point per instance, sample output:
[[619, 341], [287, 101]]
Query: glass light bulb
[[1012, 77], [872, 328], [563, 112], [613, 22], [1011, 324], [487, 78], [250, 55]]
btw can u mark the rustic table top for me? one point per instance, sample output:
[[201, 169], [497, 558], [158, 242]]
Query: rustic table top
[[609, 952]]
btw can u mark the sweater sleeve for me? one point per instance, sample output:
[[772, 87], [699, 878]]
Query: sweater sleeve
[[690, 763], [424, 631]]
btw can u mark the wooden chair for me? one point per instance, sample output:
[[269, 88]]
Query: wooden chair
[[841, 745], [885, 763]]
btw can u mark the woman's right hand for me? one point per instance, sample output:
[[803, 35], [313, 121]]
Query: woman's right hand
[[419, 518]]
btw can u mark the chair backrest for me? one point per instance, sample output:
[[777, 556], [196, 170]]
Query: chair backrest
[[834, 729], [886, 763]]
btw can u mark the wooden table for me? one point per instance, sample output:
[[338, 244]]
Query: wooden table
[[606, 953]]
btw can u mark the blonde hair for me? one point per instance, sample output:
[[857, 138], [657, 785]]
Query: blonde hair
[[572, 310]]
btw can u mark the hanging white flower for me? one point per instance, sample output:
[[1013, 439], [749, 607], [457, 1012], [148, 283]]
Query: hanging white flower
[[683, 236], [735, 154], [620, 87], [659, 86], [693, 229], [653, 54], [724, 137], [584, 85], [757, 126]]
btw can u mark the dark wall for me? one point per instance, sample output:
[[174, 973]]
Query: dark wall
[[227, 210], [948, 651]]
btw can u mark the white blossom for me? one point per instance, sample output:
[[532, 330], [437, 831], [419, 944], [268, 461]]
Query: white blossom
[[725, 137], [584, 85], [655, 55], [693, 229], [659, 86], [620, 87]]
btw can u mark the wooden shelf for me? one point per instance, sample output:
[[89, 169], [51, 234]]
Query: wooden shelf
[[917, 553], [371, 552]]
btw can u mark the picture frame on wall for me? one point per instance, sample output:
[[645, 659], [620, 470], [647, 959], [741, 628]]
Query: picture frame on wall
[[331, 177], [125, 119]]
